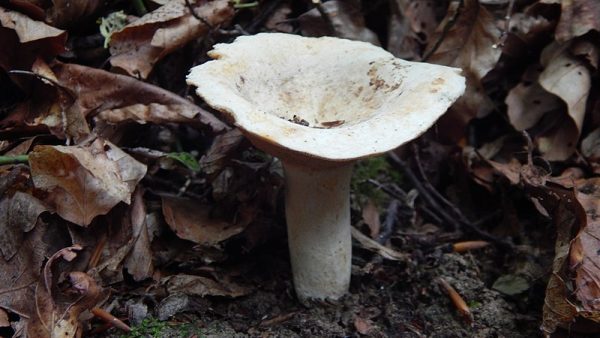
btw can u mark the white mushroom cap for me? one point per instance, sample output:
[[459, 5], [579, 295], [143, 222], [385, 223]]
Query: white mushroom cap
[[357, 99]]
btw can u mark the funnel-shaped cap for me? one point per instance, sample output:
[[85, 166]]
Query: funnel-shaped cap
[[327, 98]]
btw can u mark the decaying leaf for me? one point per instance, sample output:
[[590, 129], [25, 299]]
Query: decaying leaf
[[370, 215], [127, 98], [222, 146], [85, 181], [60, 319], [528, 102], [568, 78], [202, 286], [66, 13], [192, 221], [346, 19], [141, 44], [577, 17], [24, 39], [411, 25], [139, 261], [18, 215], [470, 44]]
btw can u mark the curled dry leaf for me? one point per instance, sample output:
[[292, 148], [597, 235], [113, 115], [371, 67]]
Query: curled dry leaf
[[471, 44], [370, 215], [192, 221], [25, 39], [346, 18], [220, 149], [85, 181], [127, 98], [140, 45], [577, 17], [568, 78]]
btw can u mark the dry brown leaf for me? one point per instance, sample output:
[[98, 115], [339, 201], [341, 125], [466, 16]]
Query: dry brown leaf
[[370, 215], [346, 18], [528, 102], [4, 322], [60, 319], [25, 39], [85, 181], [127, 98], [202, 286], [67, 13], [411, 25], [139, 262], [470, 44], [191, 220], [362, 325], [140, 45], [577, 17], [18, 215], [221, 148], [568, 78], [583, 259]]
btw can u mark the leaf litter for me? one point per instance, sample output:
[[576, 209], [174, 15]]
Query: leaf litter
[[143, 190]]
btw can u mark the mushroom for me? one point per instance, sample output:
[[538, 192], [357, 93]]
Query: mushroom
[[319, 105]]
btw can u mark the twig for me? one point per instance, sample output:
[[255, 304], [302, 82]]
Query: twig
[[426, 195], [504, 32], [107, 317], [319, 6], [263, 15], [14, 159], [445, 31], [389, 222]]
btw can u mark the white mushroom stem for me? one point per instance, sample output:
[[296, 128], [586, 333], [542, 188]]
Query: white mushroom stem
[[317, 207]]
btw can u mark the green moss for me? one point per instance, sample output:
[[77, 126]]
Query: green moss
[[376, 168], [149, 327]]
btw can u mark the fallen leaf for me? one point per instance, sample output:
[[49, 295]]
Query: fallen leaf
[[568, 78], [140, 45], [127, 98], [411, 25], [202, 286], [191, 220], [139, 261], [528, 101], [577, 17], [221, 148], [4, 322], [470, 44], [18, 214], [24, 39], [85, 181], [363, 326], [346, 19], [55, 318], [67, 13], [370, 215]]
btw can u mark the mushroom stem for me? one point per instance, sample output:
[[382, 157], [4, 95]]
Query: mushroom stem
[[317, 208]]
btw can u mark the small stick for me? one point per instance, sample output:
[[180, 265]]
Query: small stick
[[14, 159], [469, 245], [457, 300], [107, 317], [445, 31], [387, 228], [319, 5]]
